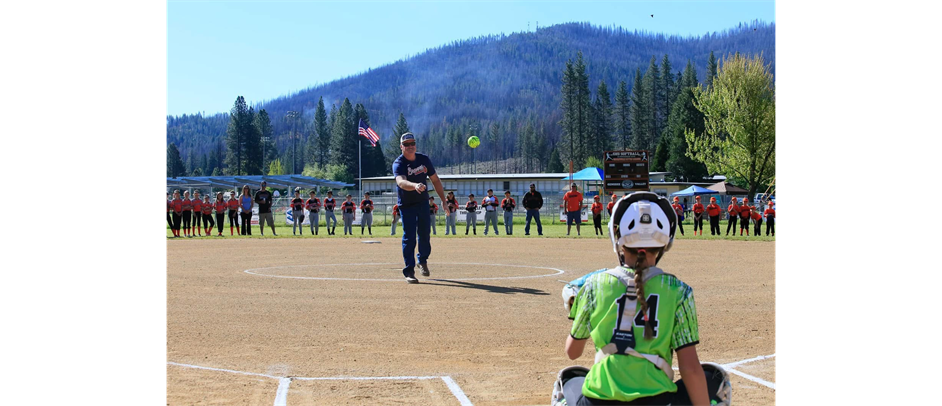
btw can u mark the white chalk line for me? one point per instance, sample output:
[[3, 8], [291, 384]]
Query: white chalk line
[[456, 390], [729, 368], [281, 395], [255, 271]]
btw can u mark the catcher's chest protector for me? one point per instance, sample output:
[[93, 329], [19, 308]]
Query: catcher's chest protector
[[623, 337]]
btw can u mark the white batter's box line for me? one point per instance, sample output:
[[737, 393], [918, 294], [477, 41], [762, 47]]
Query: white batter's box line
[[730, 367], [281, 395]]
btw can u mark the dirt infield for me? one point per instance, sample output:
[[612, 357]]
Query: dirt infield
[[338, 309]]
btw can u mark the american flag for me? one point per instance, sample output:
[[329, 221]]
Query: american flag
[[368, 132]]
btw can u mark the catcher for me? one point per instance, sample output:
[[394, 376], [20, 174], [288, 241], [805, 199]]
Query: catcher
[[637, 316]]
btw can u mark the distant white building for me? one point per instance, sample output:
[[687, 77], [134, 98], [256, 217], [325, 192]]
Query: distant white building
[[518, 184]]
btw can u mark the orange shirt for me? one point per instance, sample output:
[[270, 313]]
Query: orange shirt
[[207, 208], [187, 205], [596, 208], [698, 208], [177, 205], [770, 212], [744, 210], [610, 205], [395, 210], [197, 205], [573, 201], [713, 209], [733, 210], [220, 206], [233, 204], [756, 216], [678, 209]]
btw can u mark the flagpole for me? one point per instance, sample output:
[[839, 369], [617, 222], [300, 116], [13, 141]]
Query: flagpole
[[360, 163]]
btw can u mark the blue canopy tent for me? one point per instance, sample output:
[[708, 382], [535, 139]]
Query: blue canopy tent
[[586, 175], [694, 190]]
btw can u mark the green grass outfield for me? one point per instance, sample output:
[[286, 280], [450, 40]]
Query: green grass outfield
[[554, 230]]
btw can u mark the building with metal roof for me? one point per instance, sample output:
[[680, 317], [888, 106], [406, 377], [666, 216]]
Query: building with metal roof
[[212, 184]]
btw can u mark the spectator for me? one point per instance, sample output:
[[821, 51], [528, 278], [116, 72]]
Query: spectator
[[532, 203], [508, 204], [246, 204], [572, 202], [264, 199]]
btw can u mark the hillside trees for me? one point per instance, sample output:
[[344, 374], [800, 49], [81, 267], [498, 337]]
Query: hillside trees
[[174, 162]]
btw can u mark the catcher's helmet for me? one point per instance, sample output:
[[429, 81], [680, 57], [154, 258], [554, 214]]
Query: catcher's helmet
[[718, 386], [642, 220]]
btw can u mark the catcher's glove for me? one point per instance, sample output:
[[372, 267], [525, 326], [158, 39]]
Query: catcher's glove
[[718, 386]]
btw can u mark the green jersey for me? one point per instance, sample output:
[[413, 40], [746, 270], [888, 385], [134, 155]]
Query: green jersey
[[596, 313]]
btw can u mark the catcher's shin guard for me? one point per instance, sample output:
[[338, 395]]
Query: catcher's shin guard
[[565, 374], [718, 386]]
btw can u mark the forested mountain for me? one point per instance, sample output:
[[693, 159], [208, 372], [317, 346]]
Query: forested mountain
[[467, 87]]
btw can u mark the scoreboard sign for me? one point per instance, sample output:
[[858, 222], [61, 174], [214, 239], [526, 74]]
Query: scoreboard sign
[[626, 171]]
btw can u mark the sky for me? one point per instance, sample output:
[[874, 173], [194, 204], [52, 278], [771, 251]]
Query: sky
[[218, 50]]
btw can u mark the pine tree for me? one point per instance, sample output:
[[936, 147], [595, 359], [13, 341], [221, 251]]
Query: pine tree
[[602, 111], [343, 145], [392, 143], [236, 136], [175, 165], [689, 79], [568, 107], [323, 132], [667, 89], [651, 82], [621, 123], [661, 155], [253, 142], [684, 118], [191, 162], [583, 106], [711, 71], [266, 141], [640, 106], [494, 137], [555, 166]]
